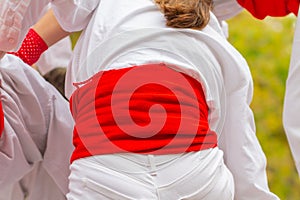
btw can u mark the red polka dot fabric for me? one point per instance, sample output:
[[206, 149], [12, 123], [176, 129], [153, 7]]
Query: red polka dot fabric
[[32, 48]]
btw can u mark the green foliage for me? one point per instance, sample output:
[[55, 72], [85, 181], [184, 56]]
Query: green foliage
[[266, 45], [74, 37]]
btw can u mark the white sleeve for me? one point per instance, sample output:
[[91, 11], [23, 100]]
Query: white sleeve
[[38, 125], [16, 17], [74, 15], [58, 55], [242, 152], [291, 109], [18, 149], [59, 145]]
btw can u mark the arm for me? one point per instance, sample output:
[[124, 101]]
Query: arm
[[260, 9], [242, 152], [49, 29], [44, 33], [276, 8], [291, 108], [15, 19]]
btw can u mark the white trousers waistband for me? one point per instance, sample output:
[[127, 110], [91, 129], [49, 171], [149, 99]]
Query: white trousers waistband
[[195, 175]]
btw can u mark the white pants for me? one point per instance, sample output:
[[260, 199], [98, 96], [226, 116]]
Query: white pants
[[191, 176]]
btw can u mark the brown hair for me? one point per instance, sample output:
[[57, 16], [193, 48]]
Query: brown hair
[[186, 13]]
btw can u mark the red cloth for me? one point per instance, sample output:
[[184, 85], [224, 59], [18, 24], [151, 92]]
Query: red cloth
[[275, 8], [32, 48], [105, 105]]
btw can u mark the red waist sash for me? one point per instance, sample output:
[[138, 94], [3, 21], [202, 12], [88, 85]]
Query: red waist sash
[[150, 109]]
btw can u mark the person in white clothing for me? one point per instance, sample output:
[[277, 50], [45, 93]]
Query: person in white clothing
[[291, 109], [50, 62], [118, 34], [204, 65], [35, 143]]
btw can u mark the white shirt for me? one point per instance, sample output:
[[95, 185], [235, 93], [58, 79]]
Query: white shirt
[[17, 16], [58, 55], [36, 144], [243, 154], [291, 110], [96, 50]]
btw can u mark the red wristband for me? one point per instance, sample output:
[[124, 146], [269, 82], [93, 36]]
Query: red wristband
[[32, 48]]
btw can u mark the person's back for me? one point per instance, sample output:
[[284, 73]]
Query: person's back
[[240, 157], [134, 38]]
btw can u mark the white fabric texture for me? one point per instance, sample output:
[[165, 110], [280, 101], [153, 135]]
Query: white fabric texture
[[74, 15], [17, 16], [243, 154], [226, 9], [291, 109], [36, 143], [58, 55], [195, 175]]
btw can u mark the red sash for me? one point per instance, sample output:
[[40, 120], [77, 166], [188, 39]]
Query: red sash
[[276, 8], [143, 109]]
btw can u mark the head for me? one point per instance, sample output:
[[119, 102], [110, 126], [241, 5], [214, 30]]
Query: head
[[193, 14]]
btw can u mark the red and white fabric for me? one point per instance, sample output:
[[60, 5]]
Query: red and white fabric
[[16, 17], [32, 48]]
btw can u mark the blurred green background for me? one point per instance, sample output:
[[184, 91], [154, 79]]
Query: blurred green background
[[266, 45]]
